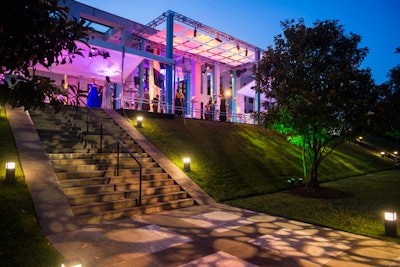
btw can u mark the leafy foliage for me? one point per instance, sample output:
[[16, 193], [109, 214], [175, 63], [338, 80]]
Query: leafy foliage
[[35, 32], [387, 110], [321, 96]]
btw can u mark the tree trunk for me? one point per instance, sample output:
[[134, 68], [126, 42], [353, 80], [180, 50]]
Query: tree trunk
[[314, 174]]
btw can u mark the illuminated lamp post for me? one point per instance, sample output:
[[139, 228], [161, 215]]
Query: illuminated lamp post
[[139, 121], [390, 223], [72, 263], [10, 172], [186, 164]]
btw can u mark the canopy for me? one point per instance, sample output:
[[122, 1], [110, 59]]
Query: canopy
[[248, 91], [98, 66]]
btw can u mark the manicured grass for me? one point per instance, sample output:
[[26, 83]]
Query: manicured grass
[[246, 165], [233, 161], [21, 240], [361, 213]]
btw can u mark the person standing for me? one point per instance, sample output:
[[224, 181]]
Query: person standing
[[93, 100], [156, 101], [107, 94], [179, 101]]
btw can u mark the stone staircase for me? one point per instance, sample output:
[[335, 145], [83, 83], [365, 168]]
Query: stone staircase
[[99, 184]]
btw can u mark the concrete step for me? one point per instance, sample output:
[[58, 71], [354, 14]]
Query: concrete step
[[114, 196], [69, 144], [96, 207], [133, 212], [112, 179], [57, 133], [111, 202], [106, 173], [99, 156], [69, 156], [131, 164], [67, 150], [87, 161], [107, 196], [123, 187], [97, 181]]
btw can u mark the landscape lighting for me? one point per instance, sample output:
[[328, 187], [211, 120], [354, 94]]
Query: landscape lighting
[[186, 164], [391, 223], [10, 172], [139, 121]]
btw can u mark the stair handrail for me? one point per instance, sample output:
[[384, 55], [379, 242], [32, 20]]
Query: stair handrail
[[120, 143]]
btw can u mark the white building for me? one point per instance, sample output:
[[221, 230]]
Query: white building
[[169, 54]]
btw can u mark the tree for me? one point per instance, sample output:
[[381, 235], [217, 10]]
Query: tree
[[394, 77], [387, 109], [321, 96], [35, 32]]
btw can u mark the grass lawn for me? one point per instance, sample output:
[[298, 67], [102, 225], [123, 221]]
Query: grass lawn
[[21, 240], [246, 165], [361, 212], [233, 161]]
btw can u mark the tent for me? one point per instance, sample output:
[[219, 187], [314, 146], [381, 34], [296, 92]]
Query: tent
[[248, 91], [97, 66]]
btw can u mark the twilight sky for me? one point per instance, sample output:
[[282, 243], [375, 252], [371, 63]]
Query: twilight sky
[[258, 21]]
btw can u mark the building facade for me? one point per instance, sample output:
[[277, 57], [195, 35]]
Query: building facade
[[193, 69]]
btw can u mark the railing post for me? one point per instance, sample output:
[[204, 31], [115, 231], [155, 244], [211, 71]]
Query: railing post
[[101, 138], [87, 121], [117, 158], [140, 185]]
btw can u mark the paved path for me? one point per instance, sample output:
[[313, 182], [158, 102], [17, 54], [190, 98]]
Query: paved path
[[211, 234]]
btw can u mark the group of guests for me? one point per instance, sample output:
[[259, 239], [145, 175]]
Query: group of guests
[[100, 97]]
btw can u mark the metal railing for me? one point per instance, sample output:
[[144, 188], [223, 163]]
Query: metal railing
[[189, 111], [120, 144]]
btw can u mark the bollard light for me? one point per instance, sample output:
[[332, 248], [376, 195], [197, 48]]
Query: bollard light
[[186, 164], [390, 223], [72, 263], [360, 138], [383, 154], [10, 172], [395, 153], [139, 121]]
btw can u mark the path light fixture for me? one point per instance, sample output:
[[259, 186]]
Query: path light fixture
[[72, 263], [390, 223], [10, 172], [396, 153], [383, 154], [186, 164], [139, 121]]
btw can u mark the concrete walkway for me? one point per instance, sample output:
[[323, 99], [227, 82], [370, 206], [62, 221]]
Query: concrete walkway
[[210, 234]]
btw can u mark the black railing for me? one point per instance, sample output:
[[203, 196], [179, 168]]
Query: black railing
[[120, 144]]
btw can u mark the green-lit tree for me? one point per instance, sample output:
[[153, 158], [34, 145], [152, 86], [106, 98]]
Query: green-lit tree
[[322, 97], [35, 32]]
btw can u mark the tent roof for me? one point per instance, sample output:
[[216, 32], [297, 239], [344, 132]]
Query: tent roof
[[196, 39], [248, 91], [98, 66]]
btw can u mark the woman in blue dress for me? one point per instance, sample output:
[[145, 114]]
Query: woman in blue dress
[[93, 100]]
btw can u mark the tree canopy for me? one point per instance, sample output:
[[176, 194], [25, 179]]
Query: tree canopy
[[321, 96], [35, 32], [387, 109]]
